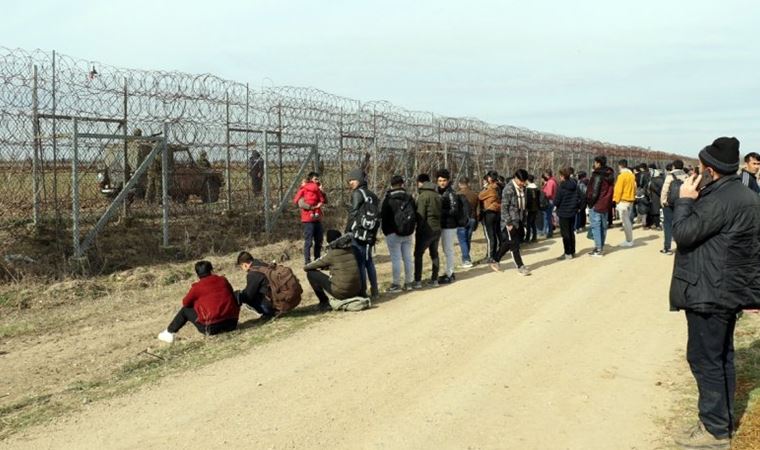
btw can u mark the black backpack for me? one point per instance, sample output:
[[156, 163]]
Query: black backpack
[[582, 192], [543, 202], [463, 210], [367, 220], [674, 191], [404, 214]]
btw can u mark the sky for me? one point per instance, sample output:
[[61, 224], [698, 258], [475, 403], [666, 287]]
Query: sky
[[670, 75]]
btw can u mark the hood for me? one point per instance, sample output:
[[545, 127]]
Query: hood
[[429, 186], [342, 242]]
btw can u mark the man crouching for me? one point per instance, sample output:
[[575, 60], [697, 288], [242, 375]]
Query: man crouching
[[209, 305], [344, 281]]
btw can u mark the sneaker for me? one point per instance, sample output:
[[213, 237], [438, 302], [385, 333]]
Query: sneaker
[[433, 283], [166, 336], [596, 253], [394, 288], [697, 437], [568, 257], [494, 266], [410, 286], [666, 252], [626, 244], [467, 264], [417, 285], [249, 308], [446, 279], [524, 271], [324, 307]]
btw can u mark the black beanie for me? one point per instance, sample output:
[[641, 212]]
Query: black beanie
[[722, 155]]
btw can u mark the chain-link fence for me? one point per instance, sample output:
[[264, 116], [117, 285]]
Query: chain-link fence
[[74, 134]]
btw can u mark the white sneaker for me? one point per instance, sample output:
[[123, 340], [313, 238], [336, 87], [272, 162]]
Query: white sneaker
[[166, 336], [627, 244], [467, 264]]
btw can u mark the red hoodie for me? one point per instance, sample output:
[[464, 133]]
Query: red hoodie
[[212, 299], [311, 193]]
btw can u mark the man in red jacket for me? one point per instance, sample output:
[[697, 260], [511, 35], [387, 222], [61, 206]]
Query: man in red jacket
[[599, 195], [210, 305], [310, 199]]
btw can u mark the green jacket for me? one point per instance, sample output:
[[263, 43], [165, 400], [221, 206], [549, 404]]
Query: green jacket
[[429, 204], [344, 271]]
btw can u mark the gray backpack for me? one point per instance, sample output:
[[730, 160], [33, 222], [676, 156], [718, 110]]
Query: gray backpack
[[350, 304]]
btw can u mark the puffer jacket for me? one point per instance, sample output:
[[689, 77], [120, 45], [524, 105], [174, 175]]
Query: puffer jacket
[[600, 189], [428, 209], [449, 208], [341, 262], [718, 235], [511, 214], [566, 200]]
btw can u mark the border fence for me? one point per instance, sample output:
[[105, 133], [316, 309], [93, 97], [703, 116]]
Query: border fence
[[83, 143]]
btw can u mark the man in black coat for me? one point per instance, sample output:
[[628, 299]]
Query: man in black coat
[[716, 224]]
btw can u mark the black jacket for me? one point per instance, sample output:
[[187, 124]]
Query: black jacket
[[655, 189], [566, 200], [449, 208], [357, 199], [718, 236], [392, 201]]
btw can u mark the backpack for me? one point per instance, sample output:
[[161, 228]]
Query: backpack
[[405, 215], [367, 220], [463, 210], [674, 191], [350, 304], [284, 290], [582, 200], [642, 200]]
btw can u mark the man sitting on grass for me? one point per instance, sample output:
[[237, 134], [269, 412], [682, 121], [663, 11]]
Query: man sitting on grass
[[344, 281], [210, 305]]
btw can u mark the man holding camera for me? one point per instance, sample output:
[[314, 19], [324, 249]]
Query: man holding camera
[[310, 198], [716, 224]]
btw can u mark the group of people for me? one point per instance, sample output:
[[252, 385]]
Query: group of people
[[712, 212]]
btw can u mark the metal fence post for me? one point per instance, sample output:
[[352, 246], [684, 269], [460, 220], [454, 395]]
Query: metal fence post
[[227, 161], [267, 224], [36, 151], [165, 184], [125, 164], [75, 191]]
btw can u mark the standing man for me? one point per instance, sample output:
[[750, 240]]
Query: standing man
[[310, 198], [256, 171], [623, 196], [464, 234], [550, 192], [513, 216], [749, 171], [203, 161], [600, 202], [490, 197], [676, 173], [363, 222], [449, 225], [532, 197], [655, 191], [716, 224], [428, 228], [399, 218], [580, 220]]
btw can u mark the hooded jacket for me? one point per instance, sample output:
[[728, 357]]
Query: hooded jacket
[[566, 200], [625, 187], [308, 196], [428, 209], [341, 262], [600, 189], [392, 202], [718, 237]]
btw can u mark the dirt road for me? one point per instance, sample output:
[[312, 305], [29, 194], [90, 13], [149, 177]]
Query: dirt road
[[570, 357]]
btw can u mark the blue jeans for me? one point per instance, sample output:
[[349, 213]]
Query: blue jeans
[[598, 228], [668, 226], [312, 231], [400, 249], [548, 223], [363, 254], [464, 234]]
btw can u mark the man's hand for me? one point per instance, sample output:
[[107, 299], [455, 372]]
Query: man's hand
[[690, 188], [509, 228], [317, 206]]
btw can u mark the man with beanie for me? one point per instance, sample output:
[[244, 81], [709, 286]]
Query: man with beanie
[[428, 228], [716, 225], [600, 202], [309, 199], [623, 196], [399, 217], [344, 281], [449, 214], [364, 244]]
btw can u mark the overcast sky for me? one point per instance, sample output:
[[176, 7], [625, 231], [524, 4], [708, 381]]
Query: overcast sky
[[670, 75]]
